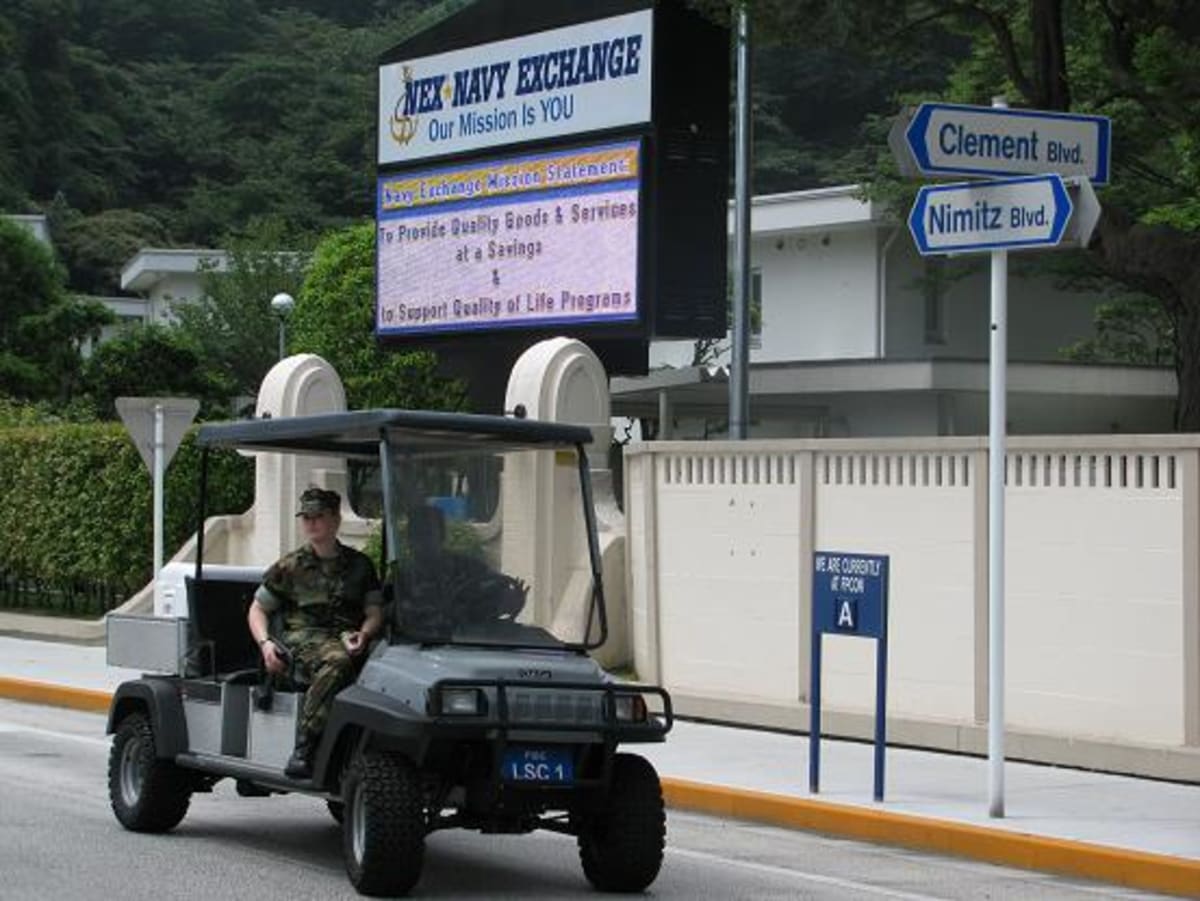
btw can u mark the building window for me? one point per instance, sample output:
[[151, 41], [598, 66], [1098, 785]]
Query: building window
[[934, 291]]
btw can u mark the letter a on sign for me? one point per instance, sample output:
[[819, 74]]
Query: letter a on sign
[[845, 617]]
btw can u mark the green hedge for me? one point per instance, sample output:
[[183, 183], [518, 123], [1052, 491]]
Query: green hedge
[[76, 522]]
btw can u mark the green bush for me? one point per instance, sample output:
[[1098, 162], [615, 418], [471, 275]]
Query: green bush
[[16, 413], [76, 519]]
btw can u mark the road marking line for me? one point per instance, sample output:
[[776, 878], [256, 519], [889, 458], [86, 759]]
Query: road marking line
[[804, 875], [50, 733]]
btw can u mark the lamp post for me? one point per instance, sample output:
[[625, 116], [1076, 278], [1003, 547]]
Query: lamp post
[[282, 304]]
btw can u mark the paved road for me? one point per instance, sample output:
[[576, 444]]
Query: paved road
[[58, 839]]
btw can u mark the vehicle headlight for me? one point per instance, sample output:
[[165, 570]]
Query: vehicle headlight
[[629, 708], [462, 702]]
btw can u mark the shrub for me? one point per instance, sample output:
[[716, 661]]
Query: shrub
[[76, 516]]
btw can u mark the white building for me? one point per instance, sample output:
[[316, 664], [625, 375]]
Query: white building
[[166, 276], [35, 224], [160, 276], [862, 336]]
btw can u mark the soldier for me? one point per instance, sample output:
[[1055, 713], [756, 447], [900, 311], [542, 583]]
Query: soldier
[[331, 604], [443, 590]]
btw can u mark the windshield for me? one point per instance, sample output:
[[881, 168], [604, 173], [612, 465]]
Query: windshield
[[462, 563]]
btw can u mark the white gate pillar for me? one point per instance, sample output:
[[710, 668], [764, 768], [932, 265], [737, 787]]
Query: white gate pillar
[[300, 385], [562, 380]]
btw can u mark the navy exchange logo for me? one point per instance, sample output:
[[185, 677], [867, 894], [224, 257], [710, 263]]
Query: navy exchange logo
[[403, 125]]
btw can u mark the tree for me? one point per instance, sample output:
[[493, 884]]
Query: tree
[[335, 318], [41, 326], [201, 115], [232, 326], [1131, 329], [152, 361], [95, 248], [1138, 62]]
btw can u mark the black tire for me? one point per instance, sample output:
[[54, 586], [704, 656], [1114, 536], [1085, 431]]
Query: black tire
[[147, 794], [337, 810], [383, 833], [621, 838]]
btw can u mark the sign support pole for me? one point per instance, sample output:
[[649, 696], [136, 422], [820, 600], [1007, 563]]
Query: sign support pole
[[881, 664], [814, 712], [739, 370], [997, 449], [156, 425], [159, 443], [1040, 208]]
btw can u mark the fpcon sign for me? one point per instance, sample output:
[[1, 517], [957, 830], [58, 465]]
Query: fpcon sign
[[546, 85]]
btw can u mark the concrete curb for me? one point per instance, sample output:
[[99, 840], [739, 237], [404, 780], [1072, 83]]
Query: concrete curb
[[54, 695], [1118, 866]]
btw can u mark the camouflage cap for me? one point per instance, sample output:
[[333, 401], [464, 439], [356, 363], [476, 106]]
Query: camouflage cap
[[315, 501]]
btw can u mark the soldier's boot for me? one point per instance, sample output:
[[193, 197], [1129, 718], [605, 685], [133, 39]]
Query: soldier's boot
[[299, 765]]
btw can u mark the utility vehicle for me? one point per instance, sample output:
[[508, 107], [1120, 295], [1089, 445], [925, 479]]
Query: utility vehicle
[[479, 708]]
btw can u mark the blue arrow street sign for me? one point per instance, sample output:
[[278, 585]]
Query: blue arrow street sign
[[989, 215], [952, 138]]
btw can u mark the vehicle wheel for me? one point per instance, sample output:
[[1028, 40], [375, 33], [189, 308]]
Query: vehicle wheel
[[383, 833], [147, 794], [621, 838], [337, 810]]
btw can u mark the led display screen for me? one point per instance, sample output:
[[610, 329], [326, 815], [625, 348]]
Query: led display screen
[[548, 239]]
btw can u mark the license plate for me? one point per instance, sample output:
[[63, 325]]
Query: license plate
[[550, 766]]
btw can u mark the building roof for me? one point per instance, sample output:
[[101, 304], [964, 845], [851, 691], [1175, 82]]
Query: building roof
[[823, 208], [34, 222], [150, 265], [706, 389]]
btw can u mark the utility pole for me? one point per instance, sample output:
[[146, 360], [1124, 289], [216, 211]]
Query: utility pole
[[739, 375]]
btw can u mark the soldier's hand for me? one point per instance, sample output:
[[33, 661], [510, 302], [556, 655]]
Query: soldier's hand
[[355, 642], [273, 660]]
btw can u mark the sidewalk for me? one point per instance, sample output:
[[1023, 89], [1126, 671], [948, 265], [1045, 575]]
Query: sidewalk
[[1117, 829]]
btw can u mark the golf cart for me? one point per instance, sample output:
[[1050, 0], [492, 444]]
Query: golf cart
[[478, 708]]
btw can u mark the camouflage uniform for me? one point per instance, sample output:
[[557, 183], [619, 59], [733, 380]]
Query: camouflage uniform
[[318, 600]]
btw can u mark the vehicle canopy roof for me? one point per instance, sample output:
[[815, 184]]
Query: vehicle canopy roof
[[358, 434]]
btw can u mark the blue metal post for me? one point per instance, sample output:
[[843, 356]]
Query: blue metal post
[[881, 657], [814, 706]]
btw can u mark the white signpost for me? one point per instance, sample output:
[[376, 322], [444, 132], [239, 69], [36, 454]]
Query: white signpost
[[953, 138], [1038, 210], [157, 425], [1028, 212]]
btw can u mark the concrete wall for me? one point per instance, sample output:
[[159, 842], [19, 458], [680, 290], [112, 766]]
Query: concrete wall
[[920, 508], [1103, 606], [1096, 588]]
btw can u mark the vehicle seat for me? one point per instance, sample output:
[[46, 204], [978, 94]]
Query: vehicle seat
[[221, 643]]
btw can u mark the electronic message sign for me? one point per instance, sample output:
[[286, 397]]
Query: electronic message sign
[[553, 83], [540, 240], [550, 168]]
